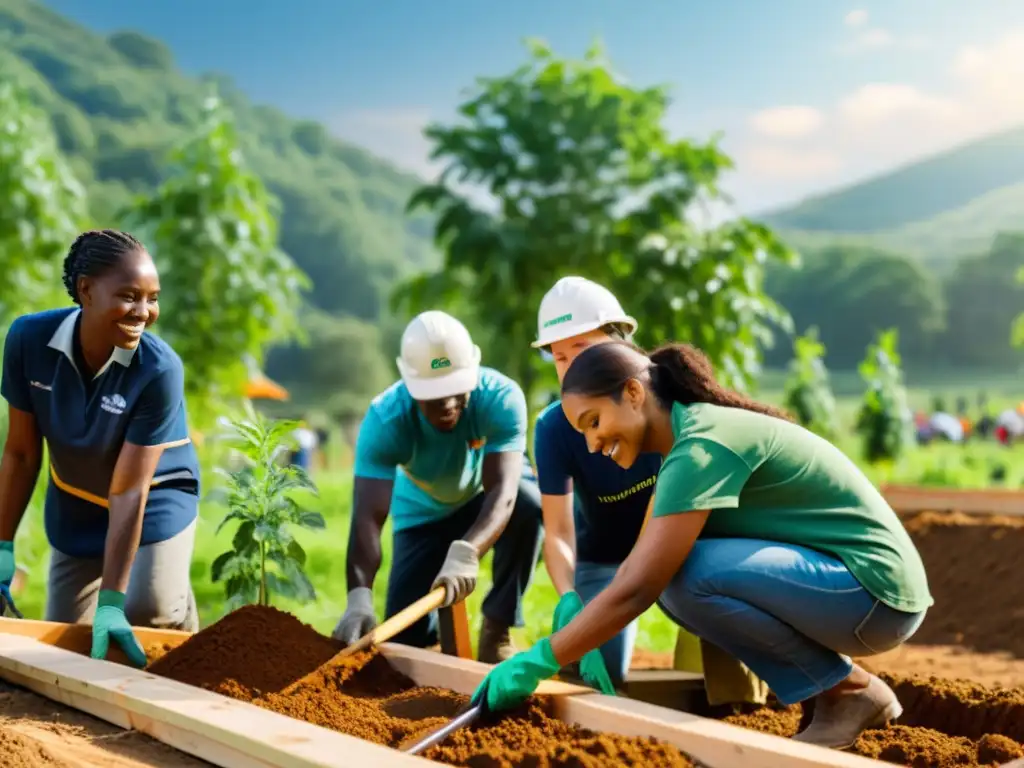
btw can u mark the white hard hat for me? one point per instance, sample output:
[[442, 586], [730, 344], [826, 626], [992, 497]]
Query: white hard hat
[[576, 305], [438, 358]]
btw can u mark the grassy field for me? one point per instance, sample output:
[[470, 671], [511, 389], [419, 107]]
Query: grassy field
[[969, 465]]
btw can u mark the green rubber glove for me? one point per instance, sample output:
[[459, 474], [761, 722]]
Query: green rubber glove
[[514, 680], [6, 562], [110, 622], [592, 667]]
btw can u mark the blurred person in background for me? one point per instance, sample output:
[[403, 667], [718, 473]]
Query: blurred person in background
[[123, 494], [442, 451]]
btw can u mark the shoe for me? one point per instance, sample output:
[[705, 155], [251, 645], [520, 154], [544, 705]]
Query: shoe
[[495, 642], [837, 722]]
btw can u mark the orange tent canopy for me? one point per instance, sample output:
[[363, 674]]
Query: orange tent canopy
[[262, 388]]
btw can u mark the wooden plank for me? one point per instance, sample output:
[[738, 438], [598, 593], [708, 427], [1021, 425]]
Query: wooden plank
[[78, 637], [906, 498], [223, 731], [717, 744]]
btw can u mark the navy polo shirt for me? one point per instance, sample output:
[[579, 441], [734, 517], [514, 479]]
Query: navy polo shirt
[[138, 396], [610, 502]]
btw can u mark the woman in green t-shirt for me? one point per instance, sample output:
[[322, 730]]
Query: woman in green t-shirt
[[765, 539]]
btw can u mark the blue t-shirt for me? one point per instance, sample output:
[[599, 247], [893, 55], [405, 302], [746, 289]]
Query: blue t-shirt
[[138, 397], [437, 472], [610, 502]]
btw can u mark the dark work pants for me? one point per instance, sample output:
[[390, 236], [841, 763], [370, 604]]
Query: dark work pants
[[419, 552]]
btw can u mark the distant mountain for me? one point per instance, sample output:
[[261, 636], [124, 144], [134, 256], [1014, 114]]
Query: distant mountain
[[118, 103], [938, 241], [916, 193]]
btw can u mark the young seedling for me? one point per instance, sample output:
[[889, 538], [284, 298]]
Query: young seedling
[[808, 394], [259, 492], [885, 421]]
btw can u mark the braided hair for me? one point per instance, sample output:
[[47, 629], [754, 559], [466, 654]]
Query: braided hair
[[94, 253]]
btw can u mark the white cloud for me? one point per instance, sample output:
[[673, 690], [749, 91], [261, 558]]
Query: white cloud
[[882, 124], [789, 163], [863, 37], [792, 122], [856, 18]]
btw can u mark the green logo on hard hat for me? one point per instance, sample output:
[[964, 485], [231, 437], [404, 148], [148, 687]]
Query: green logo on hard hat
[[440, 362], [558, 320]]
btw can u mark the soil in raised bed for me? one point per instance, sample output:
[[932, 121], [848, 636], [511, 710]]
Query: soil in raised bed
[[255, 653], [971, 564], [945, 723]]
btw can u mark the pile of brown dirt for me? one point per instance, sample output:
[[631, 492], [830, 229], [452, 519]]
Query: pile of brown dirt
[[971, 566], [255, 653], [945, 723]]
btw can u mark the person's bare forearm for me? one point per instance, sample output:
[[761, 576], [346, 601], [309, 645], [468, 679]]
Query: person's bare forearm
[[371, 502], [18, 475], [494, 516], [363, 557], [560, 561], [124, 532]]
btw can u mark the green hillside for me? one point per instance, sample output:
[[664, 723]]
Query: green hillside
[[915, 193], [118, 103], [940, 240]]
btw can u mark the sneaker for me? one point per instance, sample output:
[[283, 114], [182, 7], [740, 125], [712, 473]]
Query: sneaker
[[837, 722]]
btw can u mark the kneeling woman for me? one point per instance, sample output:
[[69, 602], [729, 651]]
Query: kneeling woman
[[765, 540], [108, 398]]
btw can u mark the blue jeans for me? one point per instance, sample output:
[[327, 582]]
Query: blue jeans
[[419, 552], [793, 615], [590, 579]]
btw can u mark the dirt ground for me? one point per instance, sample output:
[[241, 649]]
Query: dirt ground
[[38, 733]]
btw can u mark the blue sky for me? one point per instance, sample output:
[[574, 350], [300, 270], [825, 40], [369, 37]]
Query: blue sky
[[811, 94]]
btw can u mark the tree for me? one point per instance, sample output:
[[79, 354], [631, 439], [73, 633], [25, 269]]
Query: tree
[[42, 207], [228, 290], [586, 180], [885, 421], [984, 297], [852, 292], [808, 394]]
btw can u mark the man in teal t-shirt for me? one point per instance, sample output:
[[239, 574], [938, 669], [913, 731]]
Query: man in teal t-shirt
[[442, 450]]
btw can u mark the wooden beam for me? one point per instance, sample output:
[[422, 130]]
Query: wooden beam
[[78, 637], [712, 742], [221, 730], [453, 623], [907, 498]]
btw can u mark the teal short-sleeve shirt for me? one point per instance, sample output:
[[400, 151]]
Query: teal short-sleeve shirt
[[766, 478]]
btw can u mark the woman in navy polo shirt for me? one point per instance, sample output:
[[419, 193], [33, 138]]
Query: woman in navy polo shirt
[[108, 398]]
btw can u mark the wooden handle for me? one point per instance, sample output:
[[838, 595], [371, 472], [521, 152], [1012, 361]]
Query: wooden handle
[[399, 622]]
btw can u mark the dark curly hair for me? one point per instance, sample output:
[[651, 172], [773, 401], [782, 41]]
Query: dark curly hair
[[675, 373], [94, 253]]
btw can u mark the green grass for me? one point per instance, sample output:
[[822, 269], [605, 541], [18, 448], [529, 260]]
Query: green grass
[[963, 466]]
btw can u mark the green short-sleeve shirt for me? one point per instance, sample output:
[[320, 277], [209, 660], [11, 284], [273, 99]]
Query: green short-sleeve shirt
[[765, 478]]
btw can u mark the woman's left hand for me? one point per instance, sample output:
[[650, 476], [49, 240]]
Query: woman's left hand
[[514, 680], [110, 622]]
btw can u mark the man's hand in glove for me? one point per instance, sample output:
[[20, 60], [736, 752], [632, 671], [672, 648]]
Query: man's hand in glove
[[359, 617], [459, 572]]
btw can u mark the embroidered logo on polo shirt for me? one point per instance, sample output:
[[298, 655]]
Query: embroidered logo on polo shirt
[[113, 404]]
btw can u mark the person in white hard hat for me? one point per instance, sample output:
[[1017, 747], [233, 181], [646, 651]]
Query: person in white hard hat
[[442, 450], [593, 508]]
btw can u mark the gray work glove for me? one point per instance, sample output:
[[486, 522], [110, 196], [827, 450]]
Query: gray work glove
[[359, 617], [459, 572]]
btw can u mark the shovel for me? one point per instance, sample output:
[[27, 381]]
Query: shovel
[[7, 602], [469, 715]]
